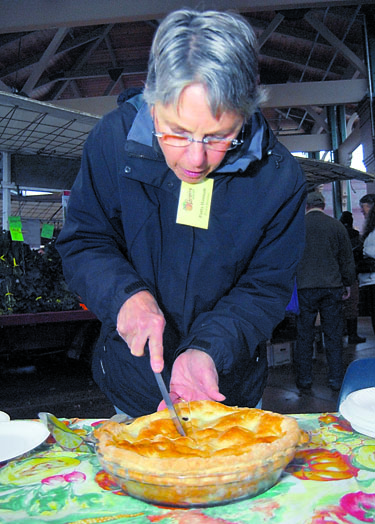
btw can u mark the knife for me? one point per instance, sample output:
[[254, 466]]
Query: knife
[[170, 406]]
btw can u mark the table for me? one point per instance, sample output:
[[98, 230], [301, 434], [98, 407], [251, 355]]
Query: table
[[48, 330], [330, 481], [47, 317]]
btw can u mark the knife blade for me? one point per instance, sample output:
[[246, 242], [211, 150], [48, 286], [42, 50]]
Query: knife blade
[[170, 406]]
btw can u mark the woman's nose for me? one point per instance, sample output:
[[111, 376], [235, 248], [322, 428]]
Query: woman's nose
[[197, 154]]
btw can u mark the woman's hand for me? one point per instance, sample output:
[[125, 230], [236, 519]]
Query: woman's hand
[[194, 377], [140, 320]]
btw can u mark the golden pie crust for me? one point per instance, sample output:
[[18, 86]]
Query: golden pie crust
[[220, 441]]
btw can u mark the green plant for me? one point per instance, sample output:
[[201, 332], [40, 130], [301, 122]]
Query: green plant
[[32, 281]]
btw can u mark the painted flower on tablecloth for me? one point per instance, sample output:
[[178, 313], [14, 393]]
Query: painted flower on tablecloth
[[337, 422], [330, 515], [335, 432], [322, 465], [73, 476], [34, 470], [46, 493], [364, 457], [360, 505], [105, 481], [267, 508]]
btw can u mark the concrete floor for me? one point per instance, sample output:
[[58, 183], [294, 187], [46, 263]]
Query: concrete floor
[[63, 386]]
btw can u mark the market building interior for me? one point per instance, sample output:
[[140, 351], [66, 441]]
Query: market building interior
[[62, 70]]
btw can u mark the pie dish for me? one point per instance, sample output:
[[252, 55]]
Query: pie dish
[[228, 453]]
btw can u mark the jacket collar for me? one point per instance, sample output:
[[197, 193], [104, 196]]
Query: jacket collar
[[143, 126]]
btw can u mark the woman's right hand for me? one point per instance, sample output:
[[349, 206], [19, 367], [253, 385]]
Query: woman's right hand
[[140, 320]]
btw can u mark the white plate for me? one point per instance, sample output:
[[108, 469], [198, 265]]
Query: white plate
[[4, 417], [19, 436], [359, 409], [369, 432]]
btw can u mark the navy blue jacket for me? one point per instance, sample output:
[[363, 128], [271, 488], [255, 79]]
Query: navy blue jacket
[[222, 290]]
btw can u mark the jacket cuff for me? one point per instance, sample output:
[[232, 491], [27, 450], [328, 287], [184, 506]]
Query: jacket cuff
[[201, 345], [123, 294]]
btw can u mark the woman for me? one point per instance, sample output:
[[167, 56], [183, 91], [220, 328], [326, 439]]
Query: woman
[[366, 267], [186, 223]]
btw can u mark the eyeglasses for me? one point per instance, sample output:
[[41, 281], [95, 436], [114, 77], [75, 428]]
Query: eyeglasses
[[211, 142]]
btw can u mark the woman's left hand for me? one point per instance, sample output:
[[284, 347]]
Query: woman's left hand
[[194, 377]]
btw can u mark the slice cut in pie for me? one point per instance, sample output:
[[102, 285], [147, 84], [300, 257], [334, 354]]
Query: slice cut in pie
[[242, 451]]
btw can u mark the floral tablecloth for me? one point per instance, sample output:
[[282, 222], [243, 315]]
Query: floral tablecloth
[[330, 481]]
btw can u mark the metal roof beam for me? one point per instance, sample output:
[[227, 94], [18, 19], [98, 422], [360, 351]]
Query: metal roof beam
[[40, 66], [312, 19], [298, 62], [307, 143], [17, 16], [85, 56], [319, 120], [271, 28], [91, 72], [332, 92], [300, 35], [67, 45], [279, 95]]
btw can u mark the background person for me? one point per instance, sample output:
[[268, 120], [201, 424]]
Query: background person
[[324, 276], [351, 305], [186, 223], [366, 266]]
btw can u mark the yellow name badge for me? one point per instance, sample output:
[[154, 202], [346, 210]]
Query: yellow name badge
[[195, 203]]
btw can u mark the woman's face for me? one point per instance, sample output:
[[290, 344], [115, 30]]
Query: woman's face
[[192, 117], [365, 209]]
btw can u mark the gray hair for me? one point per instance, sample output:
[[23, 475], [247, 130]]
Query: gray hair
[[216, 49]]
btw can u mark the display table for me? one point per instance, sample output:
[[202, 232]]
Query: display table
[[30, 319], [331, 480], [46, 330]]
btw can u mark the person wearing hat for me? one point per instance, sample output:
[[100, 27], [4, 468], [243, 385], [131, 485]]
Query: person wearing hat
[[324, 276]]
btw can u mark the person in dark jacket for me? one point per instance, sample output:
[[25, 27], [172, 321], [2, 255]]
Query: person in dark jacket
[[366, 266], [324, 276], [186, 223], [351, 305]]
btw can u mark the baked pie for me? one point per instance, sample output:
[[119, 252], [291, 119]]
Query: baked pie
[[227, 453]]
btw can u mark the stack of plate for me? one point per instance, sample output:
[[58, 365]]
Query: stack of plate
[[359, 409], [4, 417], [19, 436]]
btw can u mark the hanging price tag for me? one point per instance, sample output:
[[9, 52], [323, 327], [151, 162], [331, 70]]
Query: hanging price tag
[[15, 228], [47, 230]]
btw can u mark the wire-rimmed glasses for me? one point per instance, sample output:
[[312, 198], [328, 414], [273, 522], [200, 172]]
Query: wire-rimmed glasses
[[211, 142]]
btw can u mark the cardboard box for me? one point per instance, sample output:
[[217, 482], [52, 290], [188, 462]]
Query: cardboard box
[[279, 354]]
